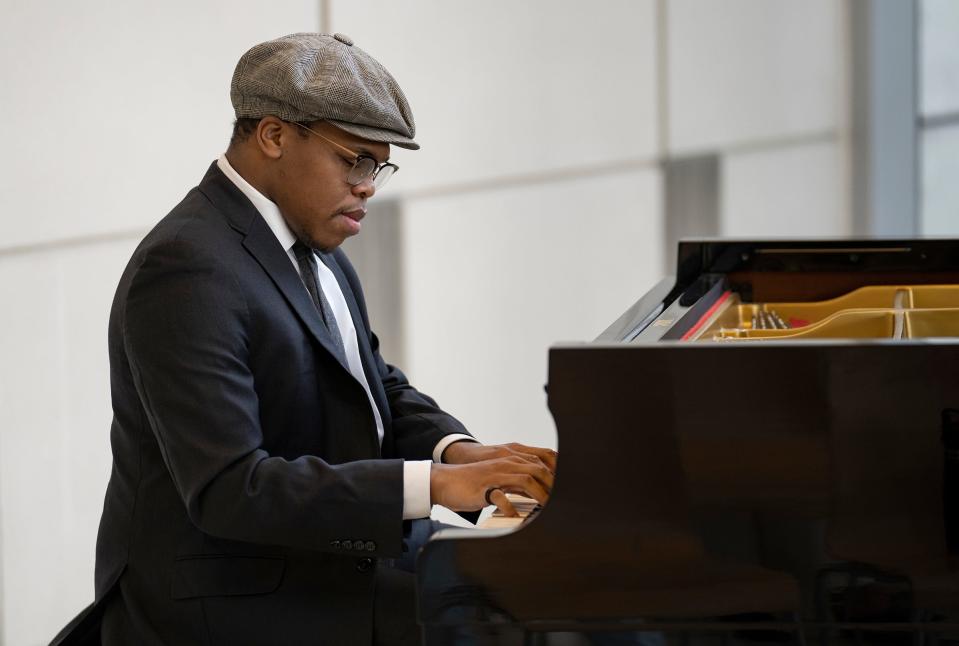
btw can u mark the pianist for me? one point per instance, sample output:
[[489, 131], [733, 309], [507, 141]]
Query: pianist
[[266, 459]]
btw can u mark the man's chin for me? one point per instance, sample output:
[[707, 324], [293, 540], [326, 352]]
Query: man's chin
[[322, 246]]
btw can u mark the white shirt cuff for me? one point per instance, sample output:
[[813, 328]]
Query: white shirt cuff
[[416, 489], [446, 441]]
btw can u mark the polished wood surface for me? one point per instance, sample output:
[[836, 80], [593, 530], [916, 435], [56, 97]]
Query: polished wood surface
[[704, 482]]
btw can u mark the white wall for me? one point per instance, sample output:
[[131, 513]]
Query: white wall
[[939, 102], [99, 89], [512, 92], [532, 209], [761, 83], [54, 443], [940, 181], [532, 214], [495, 277], [504, 89], [938, 57], [743, 71], [113, 111], [792, 191]]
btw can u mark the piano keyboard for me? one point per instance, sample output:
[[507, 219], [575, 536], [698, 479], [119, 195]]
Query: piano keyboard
[[525, 507]]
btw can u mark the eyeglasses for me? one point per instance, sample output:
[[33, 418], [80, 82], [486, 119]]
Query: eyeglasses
[[364, 166]]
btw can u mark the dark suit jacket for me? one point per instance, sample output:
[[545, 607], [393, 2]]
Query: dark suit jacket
[[249, 499]]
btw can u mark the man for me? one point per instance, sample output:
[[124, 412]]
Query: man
[[267, 461]]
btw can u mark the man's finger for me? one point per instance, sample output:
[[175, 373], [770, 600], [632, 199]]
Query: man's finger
[[535, 459], [526, 485], [543, 476], [536, 470], [547, 456], [499, 498], [528, 458]]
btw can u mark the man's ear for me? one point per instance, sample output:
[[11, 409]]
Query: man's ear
[[270, 137]]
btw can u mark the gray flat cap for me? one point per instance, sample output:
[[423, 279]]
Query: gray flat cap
[[314, 77]]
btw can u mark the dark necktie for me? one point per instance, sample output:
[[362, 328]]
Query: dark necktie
[[306, 259]]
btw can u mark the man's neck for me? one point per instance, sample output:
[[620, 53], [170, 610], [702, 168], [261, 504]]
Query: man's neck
[[247, 169]]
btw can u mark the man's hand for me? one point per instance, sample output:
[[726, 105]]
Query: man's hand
[[464, 487], [468, 452]]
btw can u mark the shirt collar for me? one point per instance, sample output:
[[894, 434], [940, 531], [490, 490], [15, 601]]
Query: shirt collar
[[269, 210]]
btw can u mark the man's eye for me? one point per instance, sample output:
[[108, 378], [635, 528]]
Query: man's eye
[[348, 162]]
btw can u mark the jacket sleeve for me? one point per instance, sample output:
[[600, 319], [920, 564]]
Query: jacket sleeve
[[185, 333], [418, 421]]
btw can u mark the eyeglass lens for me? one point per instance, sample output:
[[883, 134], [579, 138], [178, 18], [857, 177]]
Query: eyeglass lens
[[364, 167]]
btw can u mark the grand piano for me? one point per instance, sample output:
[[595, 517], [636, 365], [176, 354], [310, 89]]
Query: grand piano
[[765, 446]]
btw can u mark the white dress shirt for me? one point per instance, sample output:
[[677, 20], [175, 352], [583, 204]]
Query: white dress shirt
[[416, 474]]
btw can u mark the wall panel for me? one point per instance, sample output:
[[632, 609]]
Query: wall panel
[[786, 192], [32, 503], [492, 279], [503, 88], [118, 107], [55, 445], [747, 70], [938, 57], [940, 188]]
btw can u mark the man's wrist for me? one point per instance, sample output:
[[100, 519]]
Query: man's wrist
[[440, 449], [437, 474], [455, 452]]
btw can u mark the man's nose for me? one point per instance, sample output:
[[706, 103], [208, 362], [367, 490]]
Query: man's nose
[[365, 189]]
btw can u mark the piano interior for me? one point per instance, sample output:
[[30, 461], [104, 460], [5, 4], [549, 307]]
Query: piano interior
[[763, 447], [871, 312]]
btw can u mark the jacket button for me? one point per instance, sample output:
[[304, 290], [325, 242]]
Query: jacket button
[[347, 544], [370, 546], [364, 565]]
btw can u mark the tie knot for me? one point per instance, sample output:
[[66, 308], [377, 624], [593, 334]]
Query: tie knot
[[301, 251]]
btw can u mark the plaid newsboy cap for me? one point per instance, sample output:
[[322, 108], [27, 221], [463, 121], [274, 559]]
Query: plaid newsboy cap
[[319, 77]]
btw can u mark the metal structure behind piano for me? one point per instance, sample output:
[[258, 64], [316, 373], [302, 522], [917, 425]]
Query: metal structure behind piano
[[688, 414]]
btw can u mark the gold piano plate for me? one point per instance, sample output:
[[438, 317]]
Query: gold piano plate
[[874, 312]]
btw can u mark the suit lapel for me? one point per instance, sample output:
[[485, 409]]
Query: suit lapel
[[260, 242], [264, 246], [362, 337]]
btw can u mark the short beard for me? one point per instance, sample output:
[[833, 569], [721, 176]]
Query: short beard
[[305, 239]]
